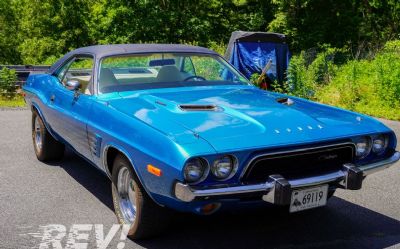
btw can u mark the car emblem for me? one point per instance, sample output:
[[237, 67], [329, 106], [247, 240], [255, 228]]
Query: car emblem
[[327, 157]]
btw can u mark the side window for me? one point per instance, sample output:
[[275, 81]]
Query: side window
[[79, 69]]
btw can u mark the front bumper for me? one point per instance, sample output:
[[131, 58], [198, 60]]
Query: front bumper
[[277, 190]]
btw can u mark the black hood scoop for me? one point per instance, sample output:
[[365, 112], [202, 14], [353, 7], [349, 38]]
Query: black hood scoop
[[192, 107]]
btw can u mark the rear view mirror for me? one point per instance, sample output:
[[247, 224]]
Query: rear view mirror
[[161, 62], [73, 85]]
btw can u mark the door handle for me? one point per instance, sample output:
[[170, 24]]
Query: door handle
[[52, 98], [76, 95]]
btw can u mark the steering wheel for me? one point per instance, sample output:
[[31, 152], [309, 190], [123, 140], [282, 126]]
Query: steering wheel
[[194, 77]]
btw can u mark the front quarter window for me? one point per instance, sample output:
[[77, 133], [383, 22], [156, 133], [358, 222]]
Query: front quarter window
[[79, 69], [188, 66]]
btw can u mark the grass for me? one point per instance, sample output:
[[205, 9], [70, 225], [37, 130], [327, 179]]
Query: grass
[[16, 102], [370, 86]]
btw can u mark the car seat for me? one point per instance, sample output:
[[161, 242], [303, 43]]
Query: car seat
[[169, 73], [107, 78]]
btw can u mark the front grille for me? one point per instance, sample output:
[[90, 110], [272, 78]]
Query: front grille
[[299, 164]]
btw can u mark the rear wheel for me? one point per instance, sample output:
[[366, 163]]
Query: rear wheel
[[132, 204], [45, 146]]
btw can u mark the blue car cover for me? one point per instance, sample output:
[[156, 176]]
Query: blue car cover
[[250, 52]]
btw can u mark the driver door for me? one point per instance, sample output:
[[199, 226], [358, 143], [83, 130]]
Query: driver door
[[73, 106]]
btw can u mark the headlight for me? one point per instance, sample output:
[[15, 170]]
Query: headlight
[[363, 147], [195, 170], [379, 144], [224, 167]]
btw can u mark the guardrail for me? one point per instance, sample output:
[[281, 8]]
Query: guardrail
[[23, 71]]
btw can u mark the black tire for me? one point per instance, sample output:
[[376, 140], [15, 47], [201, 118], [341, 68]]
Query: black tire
[[151, 219], [49, 149]]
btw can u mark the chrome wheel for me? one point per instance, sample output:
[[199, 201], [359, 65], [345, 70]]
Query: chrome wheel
[[127, 196], [38, 134]]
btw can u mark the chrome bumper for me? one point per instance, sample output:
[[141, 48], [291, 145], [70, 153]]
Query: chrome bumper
[[277, 190]]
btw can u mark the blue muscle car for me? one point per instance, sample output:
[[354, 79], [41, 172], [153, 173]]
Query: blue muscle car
[[178, 128]]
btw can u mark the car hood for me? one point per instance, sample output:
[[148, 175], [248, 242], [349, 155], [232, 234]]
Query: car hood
[[240, 117]]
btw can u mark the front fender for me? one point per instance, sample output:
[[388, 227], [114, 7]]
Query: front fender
[[37, 101], [143, 145]]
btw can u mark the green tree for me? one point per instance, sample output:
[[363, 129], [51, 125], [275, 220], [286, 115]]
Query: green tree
[[312, 22], [359, 24], [40, 31], [50, 28], [201, 21], [8, 31]]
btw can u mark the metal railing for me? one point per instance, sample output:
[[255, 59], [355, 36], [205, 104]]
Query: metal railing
[[23, 71]]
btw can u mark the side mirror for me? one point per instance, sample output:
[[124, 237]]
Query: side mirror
[[73, 85]]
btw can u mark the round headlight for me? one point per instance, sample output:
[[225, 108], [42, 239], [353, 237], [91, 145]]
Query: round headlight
[[363, 147], [225, 167], [379, 144], [196, 170]]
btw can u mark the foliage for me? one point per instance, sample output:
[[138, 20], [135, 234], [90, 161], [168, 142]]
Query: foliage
[[340, 56], [35, 32], [50, 28], [280, 88], [18, 101], [367, 23], [275, 86], [8, 78], [367, 86], [8, 29], [201, 21], [254, 79], [300, 80], [220, 47], [311, 70]]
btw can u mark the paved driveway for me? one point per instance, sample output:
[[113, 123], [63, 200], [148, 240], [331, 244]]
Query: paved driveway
[[34, 195]]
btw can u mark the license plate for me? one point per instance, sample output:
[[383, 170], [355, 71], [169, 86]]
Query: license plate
[[303, 199]]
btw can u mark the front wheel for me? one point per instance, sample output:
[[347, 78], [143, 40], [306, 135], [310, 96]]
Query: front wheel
[[45, 146], [132, 204]]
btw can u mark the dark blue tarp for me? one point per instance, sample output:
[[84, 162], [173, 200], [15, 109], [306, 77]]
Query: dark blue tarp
[[250, 52]]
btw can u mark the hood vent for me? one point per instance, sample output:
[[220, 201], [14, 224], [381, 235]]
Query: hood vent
[[199, 107], [285, 101]]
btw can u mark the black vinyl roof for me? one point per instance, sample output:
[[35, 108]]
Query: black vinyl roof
[[100, 51]]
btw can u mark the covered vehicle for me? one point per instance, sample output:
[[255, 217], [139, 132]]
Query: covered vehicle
[[251, 52], [178, 128]]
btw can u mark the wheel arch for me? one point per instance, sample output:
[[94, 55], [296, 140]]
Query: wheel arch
[[110, 152], [35, 108]]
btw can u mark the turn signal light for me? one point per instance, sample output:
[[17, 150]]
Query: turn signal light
[[154, 170], [210, 208]]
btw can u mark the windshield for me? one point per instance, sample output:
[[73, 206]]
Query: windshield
[[162, 70]]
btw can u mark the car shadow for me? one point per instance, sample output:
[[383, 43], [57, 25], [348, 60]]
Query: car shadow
[[87, 175], [341, 224]]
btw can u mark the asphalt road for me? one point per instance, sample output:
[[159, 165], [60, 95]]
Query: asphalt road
[[34, 195]]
